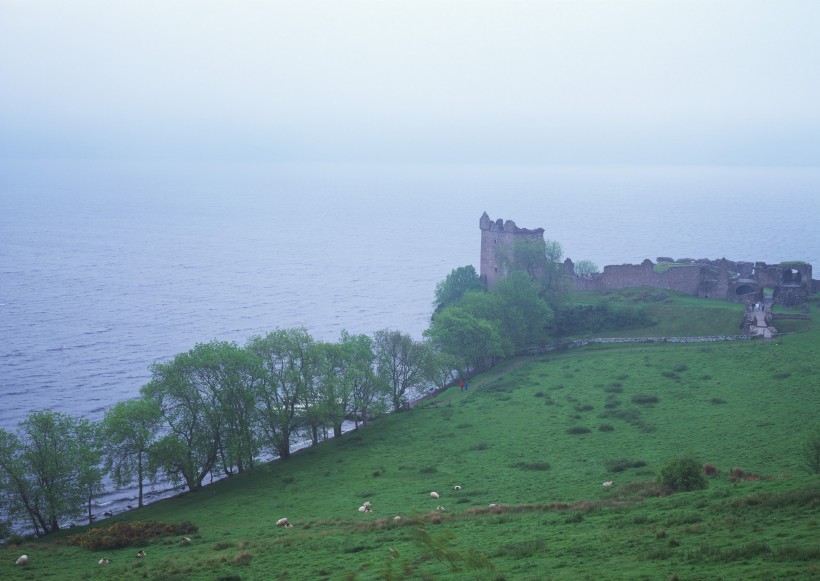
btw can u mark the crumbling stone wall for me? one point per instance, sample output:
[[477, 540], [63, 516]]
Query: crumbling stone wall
[[742, 282]]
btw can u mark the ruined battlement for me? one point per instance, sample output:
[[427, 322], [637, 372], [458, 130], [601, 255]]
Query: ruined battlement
[[497, 245], [786, 283]]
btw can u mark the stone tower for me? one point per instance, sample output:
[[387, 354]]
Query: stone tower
[[497, 246]]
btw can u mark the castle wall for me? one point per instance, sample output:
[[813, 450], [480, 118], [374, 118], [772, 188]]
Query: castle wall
[[714, 279], [498, 245]]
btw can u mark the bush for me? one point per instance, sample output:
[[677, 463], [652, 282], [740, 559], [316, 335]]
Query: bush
[[124, 534], [645, 399], [811, 451], [621, 464], [683, 475], [532, 465], [576, 430]]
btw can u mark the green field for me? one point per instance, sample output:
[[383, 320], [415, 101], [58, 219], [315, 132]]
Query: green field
[[537, 436]]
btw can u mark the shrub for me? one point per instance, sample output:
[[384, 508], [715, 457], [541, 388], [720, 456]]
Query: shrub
[[710, 470], [683, 475], [614, 388], [738, 475], [645, 399], [605, 428], [532, 465], [717, 400], [576, 430], [621, 464], [811, 451], [584, 408], [242, 558], [124, 534], [680, 367]]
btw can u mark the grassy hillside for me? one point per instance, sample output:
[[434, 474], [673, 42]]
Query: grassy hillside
[[538, 436], [676, 315]]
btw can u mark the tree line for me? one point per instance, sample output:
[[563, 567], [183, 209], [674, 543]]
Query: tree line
[[221, 407], [216, 409]]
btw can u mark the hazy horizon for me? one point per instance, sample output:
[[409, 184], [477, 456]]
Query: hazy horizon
[[638, 82]]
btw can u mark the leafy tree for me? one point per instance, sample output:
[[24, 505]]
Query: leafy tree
[[400, 363], [460, 280], [90, 470], [525, 316], [585, 268], [184, 389], [530, 256], [541, 260], [281, 366], [51, 468], [359, 376], [554, 284], [319, 385], [442, 368], [683, 475], [129, 428], [470, 343], [226, 370], [21, 495]]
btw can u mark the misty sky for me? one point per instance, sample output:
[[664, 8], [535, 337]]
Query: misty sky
[[444, 81]]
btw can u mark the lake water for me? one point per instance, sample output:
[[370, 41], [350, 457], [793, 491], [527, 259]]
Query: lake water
[[108, 267]]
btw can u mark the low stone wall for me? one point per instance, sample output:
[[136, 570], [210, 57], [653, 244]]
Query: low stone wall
[[614, 340]]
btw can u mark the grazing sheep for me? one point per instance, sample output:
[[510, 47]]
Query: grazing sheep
[[397, 518], [439, 509], [283, 522], [492, 506], [368, 504], [365, 508], [185, 540], [140, 554], [608, 484], [434, 494], [23, 560], [104, 561], [456, 487]]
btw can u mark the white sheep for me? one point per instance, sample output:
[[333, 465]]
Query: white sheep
[[365, 508], [104, 561], [23, 560], [608, 484], [283, 522], [439, 509], [396, 519], [140, 554], [456, 487], [434, 494], [492, 506], [368, 504], [186, 540]]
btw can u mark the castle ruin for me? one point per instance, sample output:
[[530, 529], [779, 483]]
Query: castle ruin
[[787, 283], [498, 245]]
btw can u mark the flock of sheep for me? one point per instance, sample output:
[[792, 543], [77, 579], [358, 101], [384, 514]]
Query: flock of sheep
[[283, 522], [368, 505], [23, 560]]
